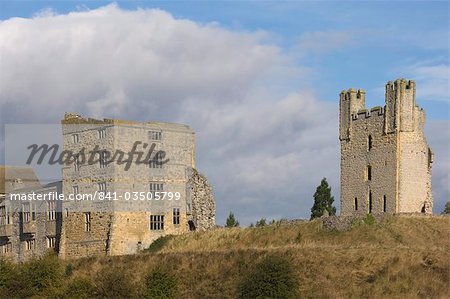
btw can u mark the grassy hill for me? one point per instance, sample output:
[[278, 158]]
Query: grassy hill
[[401, 257]]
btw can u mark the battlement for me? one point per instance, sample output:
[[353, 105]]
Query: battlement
[[366, 113], [400, 111], [400, 84], [71, 118], [356, 98]]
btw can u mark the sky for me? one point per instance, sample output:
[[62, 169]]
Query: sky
[[258, 81]]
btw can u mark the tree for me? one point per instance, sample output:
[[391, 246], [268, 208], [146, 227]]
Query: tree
[[323, 201], [447, 208], [261, 222], [231, 221]]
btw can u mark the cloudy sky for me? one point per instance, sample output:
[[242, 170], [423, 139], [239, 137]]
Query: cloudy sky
[[258, 81]]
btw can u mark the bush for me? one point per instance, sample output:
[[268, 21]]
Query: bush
[[114, 282], [160, 283], [261, 222], [40, 276], [370, 220], [159, 243], [80, 288], [69, 270], [8, 276], [274, 277]]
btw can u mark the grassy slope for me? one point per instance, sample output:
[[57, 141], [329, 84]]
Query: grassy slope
[[400, 257]]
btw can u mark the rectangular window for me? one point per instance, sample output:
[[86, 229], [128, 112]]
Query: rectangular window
[[26, 214], [103, 159], [51, 212], [76, 164], [101, 133], [176, 216], [6, 248], [369, 172], [51, 242], [156, 222], [75, 138], [33, 211], [29, 244], [384, 203], [75, 190], [87, 221], [155, 135], [356, 204], [102, 188], [4, 216], [156, 162], [156, 187], [369, 143]]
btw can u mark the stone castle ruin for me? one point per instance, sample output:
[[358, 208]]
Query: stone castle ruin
[[385, 158], [123, 225]]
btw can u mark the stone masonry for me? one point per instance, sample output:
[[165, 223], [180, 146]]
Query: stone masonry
[[124, 221], [385, 159]]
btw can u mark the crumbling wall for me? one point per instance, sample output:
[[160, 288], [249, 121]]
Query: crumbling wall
[[201, 203]]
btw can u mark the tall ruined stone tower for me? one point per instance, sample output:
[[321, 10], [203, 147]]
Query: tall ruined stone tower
[[385, 159]]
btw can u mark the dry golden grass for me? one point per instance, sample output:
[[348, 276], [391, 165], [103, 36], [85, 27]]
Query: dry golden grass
[[402, 257]]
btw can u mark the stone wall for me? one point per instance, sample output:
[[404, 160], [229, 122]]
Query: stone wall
[[385, 159], [37, 228], [126, 229], [203, 206]]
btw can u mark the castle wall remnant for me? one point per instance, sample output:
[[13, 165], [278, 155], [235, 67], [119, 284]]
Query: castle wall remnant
[[385, 159]]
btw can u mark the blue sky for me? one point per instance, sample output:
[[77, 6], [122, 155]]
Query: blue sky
[[385, 39], [258, 81]]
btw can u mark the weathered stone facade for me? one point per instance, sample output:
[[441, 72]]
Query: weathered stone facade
[[128, 217], [27, 229], [201, 202], [385, 159]]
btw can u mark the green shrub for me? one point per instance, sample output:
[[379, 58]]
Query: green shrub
[[40, 276], [274, 277], [80, 288], [8, 275], [160, 284], [114, 282], [370, 220], [69, 270], [261, 222], [159, 243]]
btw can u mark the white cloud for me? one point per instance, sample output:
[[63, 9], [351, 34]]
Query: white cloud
[[432, 77], [264, 145]]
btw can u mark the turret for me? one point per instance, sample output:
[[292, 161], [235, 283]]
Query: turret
[[350, 102], [400, 100]]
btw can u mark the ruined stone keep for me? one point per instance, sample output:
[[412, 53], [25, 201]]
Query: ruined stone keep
[[385, 159], [80, 228]]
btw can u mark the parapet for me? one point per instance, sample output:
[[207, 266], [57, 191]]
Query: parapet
[[400, 84], [366, 113], [71, 118]]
